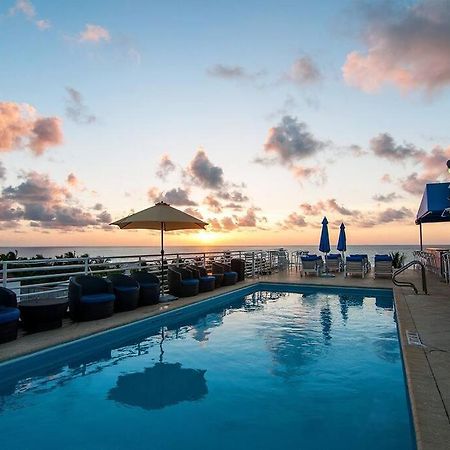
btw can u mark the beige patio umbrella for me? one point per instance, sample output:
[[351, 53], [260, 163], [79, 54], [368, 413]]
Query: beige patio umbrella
[[161, 217]]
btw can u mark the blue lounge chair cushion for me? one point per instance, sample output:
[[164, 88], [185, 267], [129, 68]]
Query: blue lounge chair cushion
[[126, 288], [149, 285], [97, 298], [383, 258], [189, 282], [208, 278], [310, 258], [355, 258], [8, 315], [333, 256]]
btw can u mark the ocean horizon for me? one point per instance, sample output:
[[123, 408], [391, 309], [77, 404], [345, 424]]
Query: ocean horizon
[[53, 251]]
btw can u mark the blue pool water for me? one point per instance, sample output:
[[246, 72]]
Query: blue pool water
[[305, 369]]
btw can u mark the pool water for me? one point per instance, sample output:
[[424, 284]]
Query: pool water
[[310, 369]]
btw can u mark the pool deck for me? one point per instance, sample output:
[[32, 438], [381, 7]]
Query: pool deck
[[427, 360]]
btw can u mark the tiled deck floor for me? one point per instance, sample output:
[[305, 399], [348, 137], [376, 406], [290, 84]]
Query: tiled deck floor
[[427, 366]]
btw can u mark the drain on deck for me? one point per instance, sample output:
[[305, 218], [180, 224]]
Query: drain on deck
[[413, 338]]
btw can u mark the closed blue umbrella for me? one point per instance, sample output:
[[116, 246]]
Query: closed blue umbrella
[[342, 241], [324, 245]]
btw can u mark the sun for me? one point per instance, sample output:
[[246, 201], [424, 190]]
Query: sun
[[206, 236]]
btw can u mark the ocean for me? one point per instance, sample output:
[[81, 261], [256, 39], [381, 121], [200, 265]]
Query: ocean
[[50, 252]]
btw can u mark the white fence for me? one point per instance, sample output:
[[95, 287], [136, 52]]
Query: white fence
[[43, 278]]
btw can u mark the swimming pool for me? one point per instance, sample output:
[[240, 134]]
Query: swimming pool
[[266, 367]]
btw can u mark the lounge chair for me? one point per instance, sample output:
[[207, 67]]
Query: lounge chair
[[238, 265], [357, 265], [229, 276], [149, 287], [9, 315], [126, 290], [334, 262], [311, 264], [206, 282], [182, 282], [383, 266], [90, 298]]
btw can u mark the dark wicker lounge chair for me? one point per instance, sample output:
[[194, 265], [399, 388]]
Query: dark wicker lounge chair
[[9, 315], [206, 282], [149, 287], [126, 290], [238, 266], [229, 277], [90, 298], [182, 282]]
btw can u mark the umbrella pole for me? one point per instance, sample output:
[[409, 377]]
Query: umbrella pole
[[162, 258]]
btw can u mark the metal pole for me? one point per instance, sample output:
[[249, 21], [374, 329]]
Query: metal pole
[[162, 258], [421, 241]]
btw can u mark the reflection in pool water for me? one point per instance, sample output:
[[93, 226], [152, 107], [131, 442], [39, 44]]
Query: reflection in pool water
[[310, 370]]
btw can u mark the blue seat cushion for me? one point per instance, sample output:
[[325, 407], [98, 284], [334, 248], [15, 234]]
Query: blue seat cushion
[[189, 282], [126, 288], [8, 315], [98, 298], [383, 258], [355, 258], [333, 256], [230, 274], [149, 285], [310, 258], [208, 278]]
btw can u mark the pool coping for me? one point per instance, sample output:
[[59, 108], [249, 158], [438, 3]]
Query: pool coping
[[429, 414]]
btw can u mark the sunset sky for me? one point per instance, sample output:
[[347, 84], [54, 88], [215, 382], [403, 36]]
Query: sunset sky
[[258, 116]]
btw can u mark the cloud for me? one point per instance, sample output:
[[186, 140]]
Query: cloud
[[357, 150], [384, 146], [46, 204], [408, 46], [27, 9], [94, 33], [434, 169], [204, 173], [76, 110], [249, 219], [97, 207], [175, 196], [21, 127], [303, 71], [165, 167], [291, 140], [394, 215], [72, 180], [228, 224], [227, 72], [233, 196], [386, 178], [294, 220], [386, 198], [2, 171], [194, 212], [323, 207], [213, 204], [317, 175]]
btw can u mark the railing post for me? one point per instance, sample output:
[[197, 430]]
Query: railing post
[[5, 273], [253, 264]]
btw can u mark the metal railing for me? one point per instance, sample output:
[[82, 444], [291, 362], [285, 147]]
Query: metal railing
[[446, 267], [49, 278], [409, 283]]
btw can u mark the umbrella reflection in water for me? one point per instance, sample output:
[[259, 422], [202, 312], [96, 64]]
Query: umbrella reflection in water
[[164, 384]]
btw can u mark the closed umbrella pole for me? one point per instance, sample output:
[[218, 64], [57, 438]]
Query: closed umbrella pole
[[324, 244], [342, 241]]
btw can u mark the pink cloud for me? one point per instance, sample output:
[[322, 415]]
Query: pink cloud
[[72, 180], [21, 127], [407, 47], [94, 33]]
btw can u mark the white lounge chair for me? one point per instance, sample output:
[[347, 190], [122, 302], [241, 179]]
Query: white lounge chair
[[357, 265], [383, 266], [334, 262], [311, 264]]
